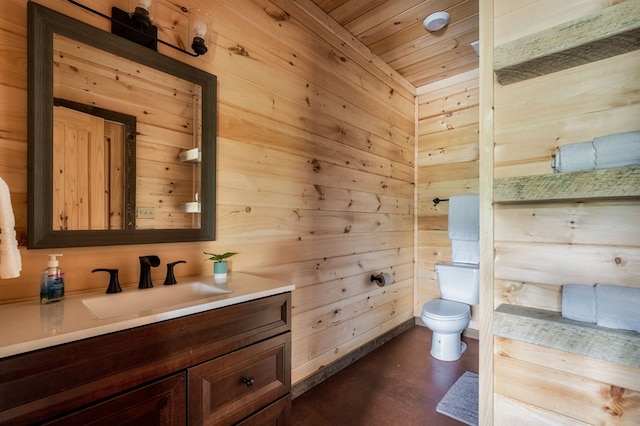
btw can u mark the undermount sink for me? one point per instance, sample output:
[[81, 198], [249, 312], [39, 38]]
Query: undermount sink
[[140, 300]]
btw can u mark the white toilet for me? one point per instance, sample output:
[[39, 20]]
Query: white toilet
[[447, 317], [459, 281]]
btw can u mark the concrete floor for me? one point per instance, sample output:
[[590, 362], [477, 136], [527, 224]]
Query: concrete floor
[[397, 384]]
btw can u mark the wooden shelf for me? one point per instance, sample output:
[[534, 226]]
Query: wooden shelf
[[610, 32], [191, 156], [548, 329], [616, 183]]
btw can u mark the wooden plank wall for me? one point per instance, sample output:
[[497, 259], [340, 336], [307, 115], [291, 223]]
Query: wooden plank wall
[[539, 247], [315, 170], [447, 165]]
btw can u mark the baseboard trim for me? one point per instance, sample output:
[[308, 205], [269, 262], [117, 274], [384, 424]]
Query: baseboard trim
[[471, 333], [339, 364]]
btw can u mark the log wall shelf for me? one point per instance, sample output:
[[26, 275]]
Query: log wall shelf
[[548, 328], [610, 32], [616, 183]]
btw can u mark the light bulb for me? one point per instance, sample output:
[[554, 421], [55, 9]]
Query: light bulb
[[145, 4], [199, 21], [200, 29]]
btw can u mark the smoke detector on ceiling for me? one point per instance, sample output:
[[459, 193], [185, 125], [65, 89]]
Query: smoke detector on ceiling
[[436, 21]]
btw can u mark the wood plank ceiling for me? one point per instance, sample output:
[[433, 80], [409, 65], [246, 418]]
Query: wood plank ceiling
[[393, 30]]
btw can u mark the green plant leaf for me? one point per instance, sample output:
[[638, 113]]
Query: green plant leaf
[[219, 257]]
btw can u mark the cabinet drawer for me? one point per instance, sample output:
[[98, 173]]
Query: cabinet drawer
[[231, 387], [276, 414]]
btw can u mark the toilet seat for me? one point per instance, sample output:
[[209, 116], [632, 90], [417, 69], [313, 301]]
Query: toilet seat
[[445, 310]]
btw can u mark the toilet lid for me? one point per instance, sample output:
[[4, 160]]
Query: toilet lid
[[445, 309]]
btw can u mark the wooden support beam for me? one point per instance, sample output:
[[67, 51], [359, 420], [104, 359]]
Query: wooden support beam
[[610, 32], [623, 182], [487, 215]]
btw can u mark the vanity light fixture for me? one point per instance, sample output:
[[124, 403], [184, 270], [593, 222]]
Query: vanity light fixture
[[141, 15], [137, 26], [199, 23]]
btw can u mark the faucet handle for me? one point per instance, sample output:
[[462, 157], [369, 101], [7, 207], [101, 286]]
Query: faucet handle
[[171, 278], [114, 284]]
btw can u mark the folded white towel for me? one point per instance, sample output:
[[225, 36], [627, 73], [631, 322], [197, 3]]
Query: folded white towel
[[10, 261], [619, 150], [575, 156], [579, 302], [618, 307], [464, 217], [465, 251]]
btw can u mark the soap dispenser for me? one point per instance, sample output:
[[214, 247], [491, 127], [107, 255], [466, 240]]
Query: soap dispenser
[[52, 281]]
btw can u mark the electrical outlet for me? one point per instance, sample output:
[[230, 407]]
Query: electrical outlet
[[146, 212]]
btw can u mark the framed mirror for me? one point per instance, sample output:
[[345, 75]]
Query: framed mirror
[[122, 140]]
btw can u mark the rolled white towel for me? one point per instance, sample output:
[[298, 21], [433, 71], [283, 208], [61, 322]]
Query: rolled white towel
[[579, 302], [618, 307], [575, 156], [10, 261], [618, 150]]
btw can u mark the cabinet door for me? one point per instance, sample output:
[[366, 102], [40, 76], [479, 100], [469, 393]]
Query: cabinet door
[[227, 389], [158, 403], [276, 414]]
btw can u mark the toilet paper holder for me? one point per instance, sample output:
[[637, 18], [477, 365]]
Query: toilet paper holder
[[382, 279]]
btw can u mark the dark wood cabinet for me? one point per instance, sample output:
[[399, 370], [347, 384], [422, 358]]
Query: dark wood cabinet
[[222, 366], [276, 414], [160, 403], [227, 389]]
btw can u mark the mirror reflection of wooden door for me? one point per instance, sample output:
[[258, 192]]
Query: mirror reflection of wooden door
[[88, 177]]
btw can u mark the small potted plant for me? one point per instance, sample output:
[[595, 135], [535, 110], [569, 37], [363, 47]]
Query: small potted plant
[[220, 265]]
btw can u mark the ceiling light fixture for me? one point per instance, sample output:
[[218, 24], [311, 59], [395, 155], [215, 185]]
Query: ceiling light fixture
[[436, 21]]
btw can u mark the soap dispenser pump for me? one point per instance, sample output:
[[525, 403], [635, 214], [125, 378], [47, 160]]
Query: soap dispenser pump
[[52, 281]]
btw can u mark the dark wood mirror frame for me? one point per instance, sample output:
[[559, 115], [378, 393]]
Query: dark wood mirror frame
[[43, 23]]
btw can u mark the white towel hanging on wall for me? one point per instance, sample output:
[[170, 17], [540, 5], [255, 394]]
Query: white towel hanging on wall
[[464, 217], [10, 261]]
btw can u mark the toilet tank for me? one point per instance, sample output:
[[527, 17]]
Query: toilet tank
[[459, 282]]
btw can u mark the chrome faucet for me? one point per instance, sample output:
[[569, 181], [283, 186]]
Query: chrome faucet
[[146, 262]]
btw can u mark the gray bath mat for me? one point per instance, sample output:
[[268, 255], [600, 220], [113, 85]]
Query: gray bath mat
[[461, 400]]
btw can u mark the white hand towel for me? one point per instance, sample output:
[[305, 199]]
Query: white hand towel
[[618, 307], [579, 302], [464, 217], [10, 261], [576, 156], [465, 251], [618, 150]]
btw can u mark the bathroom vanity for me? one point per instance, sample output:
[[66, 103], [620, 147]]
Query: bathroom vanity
[[224, 359]]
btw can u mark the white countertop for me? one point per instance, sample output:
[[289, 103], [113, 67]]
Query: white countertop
[[27, 326]]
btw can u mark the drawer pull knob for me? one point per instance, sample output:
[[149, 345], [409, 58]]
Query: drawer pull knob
[[248, 381]]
